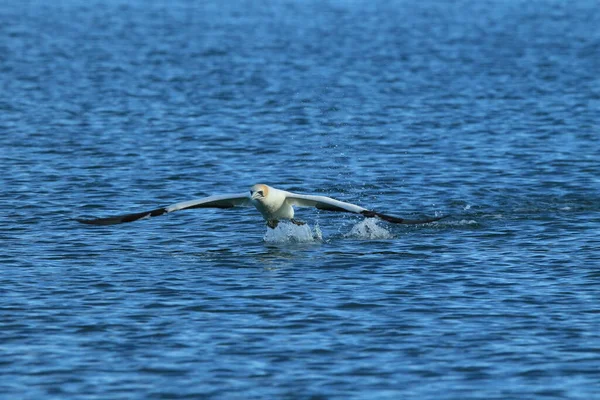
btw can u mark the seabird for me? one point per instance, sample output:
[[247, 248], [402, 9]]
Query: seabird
[[273, 204]]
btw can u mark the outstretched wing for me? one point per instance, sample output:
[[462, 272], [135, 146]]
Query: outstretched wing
[[222, 201], [322, 203], [329, 204]]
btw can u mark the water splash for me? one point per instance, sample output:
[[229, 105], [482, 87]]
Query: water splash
[[287, 232], [369, 229]]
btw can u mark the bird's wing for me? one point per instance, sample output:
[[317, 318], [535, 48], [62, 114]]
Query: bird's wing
[[222, 201], [329, 204], [322, 203]]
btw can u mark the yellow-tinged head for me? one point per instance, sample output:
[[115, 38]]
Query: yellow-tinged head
[[259, 191]]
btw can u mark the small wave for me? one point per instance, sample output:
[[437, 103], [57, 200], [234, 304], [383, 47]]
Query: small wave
[[369, 229], [287, 232], [462, 222]]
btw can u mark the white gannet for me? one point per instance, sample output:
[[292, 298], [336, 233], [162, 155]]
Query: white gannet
[[273, 204]]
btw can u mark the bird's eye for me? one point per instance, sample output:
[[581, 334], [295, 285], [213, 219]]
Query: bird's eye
[[261, 192]]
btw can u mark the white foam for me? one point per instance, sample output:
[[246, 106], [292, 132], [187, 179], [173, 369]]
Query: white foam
[[462, 222], [369, 229], [287, 232]]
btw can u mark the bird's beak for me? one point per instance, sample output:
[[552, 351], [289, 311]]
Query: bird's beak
[[254, 195]]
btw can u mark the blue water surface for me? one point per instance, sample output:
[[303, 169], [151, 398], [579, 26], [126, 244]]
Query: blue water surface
[[485, 110]]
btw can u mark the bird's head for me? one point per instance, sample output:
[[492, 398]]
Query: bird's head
[[259, 192]]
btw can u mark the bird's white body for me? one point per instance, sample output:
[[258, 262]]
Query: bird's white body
[[273, 204]]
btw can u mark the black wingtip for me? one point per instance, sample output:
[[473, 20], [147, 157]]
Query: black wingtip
[[396, 220], [120, 219]]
